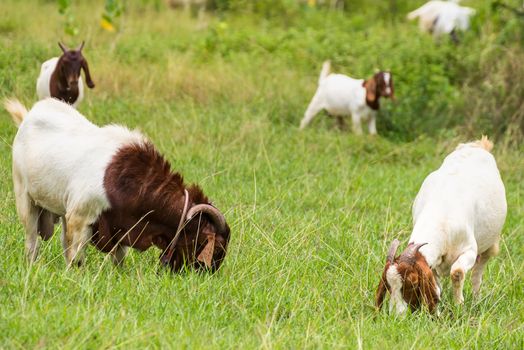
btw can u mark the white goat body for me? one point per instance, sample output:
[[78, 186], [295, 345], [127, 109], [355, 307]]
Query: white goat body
[[59, 162], [42, 83], [442, 17], [460, 207], [58, 151], [341, 95], [459, 212], [458, 215]]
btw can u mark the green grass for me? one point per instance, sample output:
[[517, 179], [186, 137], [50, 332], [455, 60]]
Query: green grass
[[311, 213]]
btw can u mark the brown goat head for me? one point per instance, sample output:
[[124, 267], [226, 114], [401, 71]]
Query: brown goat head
[[203, 241], [409, 280], [380, 85], [69, 66], [151, 205]]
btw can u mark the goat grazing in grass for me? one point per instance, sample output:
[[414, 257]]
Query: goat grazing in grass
[[442, 18], [342, 96], [458, 215], [60, 76], [110, 185]]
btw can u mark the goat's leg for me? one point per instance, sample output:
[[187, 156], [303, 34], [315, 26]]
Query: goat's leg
[[63, 236], [357, 127], [314, 107], [460, 267], [118, 253], [77, 234], [478, 269], [372, 124], [341, 123], [28, 214]]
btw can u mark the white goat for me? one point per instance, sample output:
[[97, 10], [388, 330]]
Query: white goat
[[342, 96], [458, 215], [442, 17]]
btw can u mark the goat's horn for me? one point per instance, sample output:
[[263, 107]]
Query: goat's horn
[[411, 250], [81, 46], [393, 250], [217, 217], [63, 47]]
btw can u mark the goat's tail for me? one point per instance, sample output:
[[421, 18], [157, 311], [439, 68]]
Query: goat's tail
[[485, 143], [326, 68], [16, 109]]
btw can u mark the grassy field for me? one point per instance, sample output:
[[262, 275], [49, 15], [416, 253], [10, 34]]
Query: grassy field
[[311, 213]]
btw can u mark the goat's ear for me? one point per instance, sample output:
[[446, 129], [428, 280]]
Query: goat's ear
[[428, 288], [85, 67], [381, 290], [206, 255], [371, 89], [412, 279]]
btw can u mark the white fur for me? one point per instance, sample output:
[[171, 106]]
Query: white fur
[[459, 211], [42, 83], [341, 95], [395, 284], [442, 17], [59, 162]]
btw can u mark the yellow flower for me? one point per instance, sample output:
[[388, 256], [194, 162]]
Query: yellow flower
[[104, 23]]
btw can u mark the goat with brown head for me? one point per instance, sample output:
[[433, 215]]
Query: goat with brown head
[[64, 82], [409, 280], [379, 85], [344, 96], [151, 206]]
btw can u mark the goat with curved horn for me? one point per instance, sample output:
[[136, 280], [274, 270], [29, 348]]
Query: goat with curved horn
[[217, 217], [411, 250]]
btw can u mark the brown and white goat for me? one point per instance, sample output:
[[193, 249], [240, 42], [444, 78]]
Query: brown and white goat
[[343, 96], [458, 215], [109, 185], [60, 76]]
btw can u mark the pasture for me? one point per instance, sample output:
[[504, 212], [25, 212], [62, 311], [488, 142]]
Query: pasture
[[312, 212]]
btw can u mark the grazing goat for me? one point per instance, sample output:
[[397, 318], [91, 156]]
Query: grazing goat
[[60, 76], [342, 96], [458, 215], [442, 18], [110, 185]]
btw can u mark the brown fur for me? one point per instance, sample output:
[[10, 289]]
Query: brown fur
[[376, 88], [46, 223], [419, 284], [64, 79], [147, 200], [382, 288]]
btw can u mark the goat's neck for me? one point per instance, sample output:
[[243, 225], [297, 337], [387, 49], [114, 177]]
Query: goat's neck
[[432, 235]]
